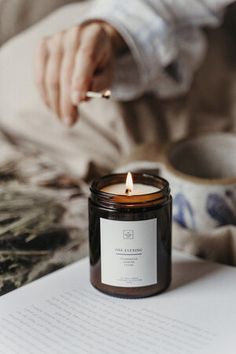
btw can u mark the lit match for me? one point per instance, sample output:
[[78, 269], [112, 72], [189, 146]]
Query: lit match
[[105, 94]]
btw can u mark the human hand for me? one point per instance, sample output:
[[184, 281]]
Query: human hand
[[72, 62]]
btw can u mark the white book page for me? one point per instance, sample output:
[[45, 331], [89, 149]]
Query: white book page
[[63, 313]]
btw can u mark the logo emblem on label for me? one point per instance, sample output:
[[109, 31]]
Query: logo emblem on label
[[128, 234]]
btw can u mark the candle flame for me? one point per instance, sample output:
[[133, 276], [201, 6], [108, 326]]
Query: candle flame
[[129, 184]]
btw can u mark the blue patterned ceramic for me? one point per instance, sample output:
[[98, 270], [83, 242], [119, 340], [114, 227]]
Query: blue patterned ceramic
[[202, 176]]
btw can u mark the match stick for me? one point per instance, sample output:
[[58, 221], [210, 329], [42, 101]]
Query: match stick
[[91, 94]]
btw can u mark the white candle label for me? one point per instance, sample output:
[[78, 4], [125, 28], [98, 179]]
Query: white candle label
[[128, 252]]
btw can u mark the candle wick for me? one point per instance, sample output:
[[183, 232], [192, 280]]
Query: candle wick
[[128, 191]]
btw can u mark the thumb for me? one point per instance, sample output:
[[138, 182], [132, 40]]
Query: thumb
[[102, 81], [83, 74]]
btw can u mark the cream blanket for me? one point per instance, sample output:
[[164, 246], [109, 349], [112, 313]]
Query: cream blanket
[[18, 15]]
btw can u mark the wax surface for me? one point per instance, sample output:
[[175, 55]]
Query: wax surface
[[138, 189]]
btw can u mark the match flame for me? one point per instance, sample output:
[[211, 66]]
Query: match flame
[[129, 185], [106, 94]]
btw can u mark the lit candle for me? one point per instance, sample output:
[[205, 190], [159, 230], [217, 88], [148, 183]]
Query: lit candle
[[129, 188], [130, 235]]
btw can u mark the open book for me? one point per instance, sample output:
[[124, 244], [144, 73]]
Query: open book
[[63, 314]]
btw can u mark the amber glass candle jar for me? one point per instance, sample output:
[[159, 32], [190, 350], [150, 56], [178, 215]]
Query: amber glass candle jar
[[130, 237]]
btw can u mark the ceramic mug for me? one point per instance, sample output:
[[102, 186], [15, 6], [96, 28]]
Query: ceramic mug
[[202, 176]]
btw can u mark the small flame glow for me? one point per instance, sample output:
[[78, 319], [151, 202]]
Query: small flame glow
[[129, 185], [107, 94]]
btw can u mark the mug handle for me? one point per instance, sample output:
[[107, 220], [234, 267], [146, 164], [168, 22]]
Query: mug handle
[[142, 166]]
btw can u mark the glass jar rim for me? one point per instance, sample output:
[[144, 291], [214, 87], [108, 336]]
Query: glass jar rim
[[101, 197]]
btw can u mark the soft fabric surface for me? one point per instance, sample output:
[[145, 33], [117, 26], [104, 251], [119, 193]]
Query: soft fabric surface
[[16, 15]]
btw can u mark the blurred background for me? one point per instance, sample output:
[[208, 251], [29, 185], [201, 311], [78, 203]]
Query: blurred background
[[16, 15]]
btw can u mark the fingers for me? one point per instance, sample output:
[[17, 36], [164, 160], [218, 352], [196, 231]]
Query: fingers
[[69, 112], [53, 68], [102, 81], [47, 70], [71, 63], [89, 58], [40, 68], [55, 57]]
